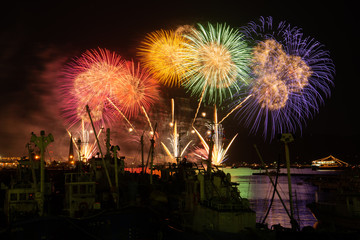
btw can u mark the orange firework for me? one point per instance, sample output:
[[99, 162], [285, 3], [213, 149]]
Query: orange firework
[[160, 54], [137, 90]]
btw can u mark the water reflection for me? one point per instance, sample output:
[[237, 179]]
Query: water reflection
[[258, 189]]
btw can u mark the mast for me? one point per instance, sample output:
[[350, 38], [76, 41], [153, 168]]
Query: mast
[[79, 162], [30, 151], [108, 145], [42, 142], [272, 182], [287, 138], [71, 150], [97, 140], [152, 141], [211, 148], [114, 149]]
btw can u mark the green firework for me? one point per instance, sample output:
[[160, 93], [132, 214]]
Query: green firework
[[216, 62]]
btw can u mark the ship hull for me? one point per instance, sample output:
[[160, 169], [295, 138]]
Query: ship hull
[[328, 216]]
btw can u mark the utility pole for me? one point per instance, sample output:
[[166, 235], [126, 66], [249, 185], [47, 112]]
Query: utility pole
[[42, 142]]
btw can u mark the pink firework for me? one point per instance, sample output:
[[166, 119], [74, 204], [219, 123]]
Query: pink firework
[[89, 80], [136, 90]]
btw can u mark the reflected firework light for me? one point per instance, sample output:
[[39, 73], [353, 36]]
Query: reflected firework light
[[291, 75]]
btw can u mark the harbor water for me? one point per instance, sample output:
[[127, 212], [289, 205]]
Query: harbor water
[[258, 190]]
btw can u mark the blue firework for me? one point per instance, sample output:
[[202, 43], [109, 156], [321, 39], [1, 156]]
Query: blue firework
[[292, 75]]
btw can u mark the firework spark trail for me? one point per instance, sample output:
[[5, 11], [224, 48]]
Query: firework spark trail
[[84, 137], [219, 154], [72, 139], [199, 105], [168, 152], [186, 146], [174, 138], [172, 110], [87, 151], [121, 113], [235, 108], [291, 76], [174, 143], [148, 119]]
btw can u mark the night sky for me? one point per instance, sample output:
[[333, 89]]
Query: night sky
[[36, 39]]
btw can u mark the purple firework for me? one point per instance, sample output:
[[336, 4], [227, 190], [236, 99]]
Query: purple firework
[[292, 74]]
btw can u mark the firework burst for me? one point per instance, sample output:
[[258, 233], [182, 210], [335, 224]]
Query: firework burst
[[291, 75], [215, 61], [90, 80], [136, 91], [159, 52]]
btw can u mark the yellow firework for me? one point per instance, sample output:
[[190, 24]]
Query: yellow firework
[[270, 92], [215, 62], [159, 52], [299, 70]]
